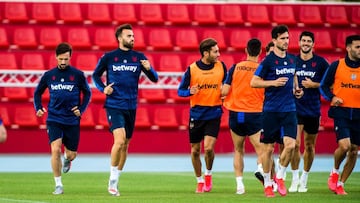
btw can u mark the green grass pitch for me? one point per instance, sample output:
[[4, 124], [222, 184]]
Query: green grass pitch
[[161, 187]]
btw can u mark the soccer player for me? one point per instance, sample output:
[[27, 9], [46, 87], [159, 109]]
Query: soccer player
[[276, 74], [3, 134], [202, 82], [69, 97], [123, 67], [245, 106], [310, 70], [340, 85]]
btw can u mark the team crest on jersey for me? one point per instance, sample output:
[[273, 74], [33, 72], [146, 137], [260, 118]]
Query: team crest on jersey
[[134, 58], [62, 80], [304, 65], [353, 76], [72, 78], [124, 61], [276, 62], [285, 63], [313, 64], [53, 77], [116, 59]]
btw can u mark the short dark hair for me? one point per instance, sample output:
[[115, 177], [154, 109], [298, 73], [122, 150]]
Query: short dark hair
[[350, 39], [308, 34], [206, 45], [63, 48], [253, 47], [278, 30], [269, 45], [122, 27]]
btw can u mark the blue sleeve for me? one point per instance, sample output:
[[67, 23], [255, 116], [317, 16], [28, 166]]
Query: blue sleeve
[[40, 89], [183, 90], [229, 77], [225, 72], [98, 72], [151, 74], [328, 80], [85, 89]]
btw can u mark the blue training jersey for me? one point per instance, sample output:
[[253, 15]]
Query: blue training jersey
[[65, 88], [278, 99], [123, 68], [314, 69]]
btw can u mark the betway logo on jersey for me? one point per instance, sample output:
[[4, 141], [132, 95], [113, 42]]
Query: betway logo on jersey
[[285, 71], [124, 68], [208, 86], [306, 73], [62, 87], [350, 85]]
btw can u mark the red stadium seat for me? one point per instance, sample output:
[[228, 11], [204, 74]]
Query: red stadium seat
[[142, 118], [70, 13], [170, 63], [102, 120], [174, 98], [159, 39], [341, 37], [283, 14], [227, 59], [14, 94], [186, 39], [8, 61], [139, 39], [309, 15], [257, 15], [50, 37], [98, 13], [79, 38], [87, 119], [24, 38], [218, 35], [204, 14], [185, 116], [15, 12], [97, 96], [43, 13], [336, 16], [25, 116], [105, 39], [239, 39], [152, 96], [177, 14], [323, 40], [294, 37], [32, 61], [86, 61], [124, 13], [264, 35], [224, 124], [355, 15], [45, 96], [230, 14], [165, 117], [151, 14], [191, 58], [4, 42], [4, 115]]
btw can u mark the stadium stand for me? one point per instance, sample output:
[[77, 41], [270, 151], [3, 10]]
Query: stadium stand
[[169, 35]]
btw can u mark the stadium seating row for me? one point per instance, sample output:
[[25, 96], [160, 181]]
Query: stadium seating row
[[156, 38], [180, 14]]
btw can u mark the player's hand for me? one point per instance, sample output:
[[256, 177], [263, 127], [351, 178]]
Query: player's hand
[[336, 101], [41, 112], [145, 64], [76, 111], [194, 89], [108, 89], [307, 83], [281, 81], [298, 92]]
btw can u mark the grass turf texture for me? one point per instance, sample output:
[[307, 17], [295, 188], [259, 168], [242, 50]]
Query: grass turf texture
[[161, 188]]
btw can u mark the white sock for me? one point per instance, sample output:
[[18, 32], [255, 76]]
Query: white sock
[[304, 177], [260, 168], [295, 175], [239, 183], [200, 179], [58, 181], [281, 172], [114, 173], [267, 180], [208, 172], [335, 170]]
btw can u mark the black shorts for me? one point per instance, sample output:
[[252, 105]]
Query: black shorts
[[245, 124], [199, 128], [70, 134], [276, 125], [121, 118], [346, 128], [311, 124]]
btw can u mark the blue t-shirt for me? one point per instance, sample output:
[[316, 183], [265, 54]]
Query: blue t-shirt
[[123, 68], [278, 99], [314, 69]]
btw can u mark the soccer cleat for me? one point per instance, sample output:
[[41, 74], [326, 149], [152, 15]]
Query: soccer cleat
[[332, 181], [259, 176], [302, 187], [269, 192], [113, 188], [340, 190], [294, 186], [274, 186], [240, 191], [66, 165], [281, 186], [58, 190], [208, 183], [200, 187]]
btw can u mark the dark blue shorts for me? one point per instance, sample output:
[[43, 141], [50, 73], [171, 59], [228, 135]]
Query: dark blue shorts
[[311, 124], [199, 128], [70, 134], [346, 128], [245, 124], [276, 125], [121, 118]]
